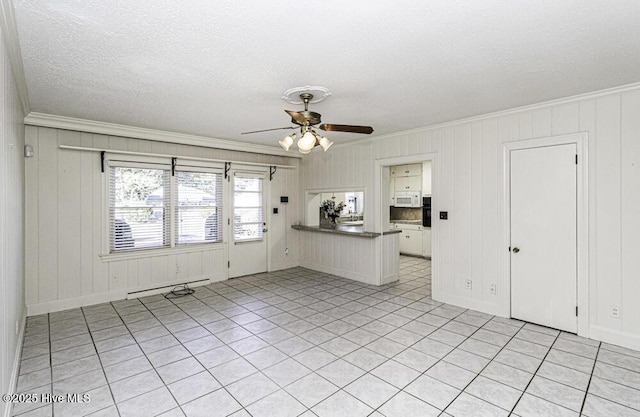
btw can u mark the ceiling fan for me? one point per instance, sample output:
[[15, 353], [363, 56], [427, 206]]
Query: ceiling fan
[[309, 139]]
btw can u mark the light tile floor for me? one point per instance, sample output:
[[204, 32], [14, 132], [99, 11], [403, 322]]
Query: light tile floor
[[300, 342]]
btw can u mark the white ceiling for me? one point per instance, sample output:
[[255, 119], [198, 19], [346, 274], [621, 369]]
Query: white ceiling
[[218, 68]]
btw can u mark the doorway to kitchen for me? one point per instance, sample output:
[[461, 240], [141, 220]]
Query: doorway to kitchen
[[546, 209], [407, 193]]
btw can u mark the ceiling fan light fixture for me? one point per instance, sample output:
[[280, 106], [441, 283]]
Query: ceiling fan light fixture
[[325, 143], [307, 141], [304, 152], [287, 141]]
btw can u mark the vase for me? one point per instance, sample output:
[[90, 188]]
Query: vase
[[333, 223]]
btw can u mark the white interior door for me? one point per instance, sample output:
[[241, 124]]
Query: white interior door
[[248, 228], [543, 236]]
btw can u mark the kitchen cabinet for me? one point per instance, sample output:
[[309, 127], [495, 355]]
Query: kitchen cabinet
[[408, 183], [411, 242], [392, 192], [410, 170], [410, 238]]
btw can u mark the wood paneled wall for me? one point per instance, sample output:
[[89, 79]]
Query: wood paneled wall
[[66, 222], [11, 226], [469, 181]]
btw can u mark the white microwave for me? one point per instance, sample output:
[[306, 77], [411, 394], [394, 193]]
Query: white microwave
[[408, 199]]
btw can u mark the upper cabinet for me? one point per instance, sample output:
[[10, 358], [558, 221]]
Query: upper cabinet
[[410, 170], [408, 184]]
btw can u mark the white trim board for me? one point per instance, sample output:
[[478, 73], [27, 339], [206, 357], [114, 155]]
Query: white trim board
[[168, 288], [504, 267], [615, 337], [113, 129], [501, 113], [380, 203], [10, 32], [69, 303], [163, 155], [13, 379]]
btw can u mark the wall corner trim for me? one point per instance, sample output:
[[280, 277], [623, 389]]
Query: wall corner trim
[[13, 382], [12, 43]]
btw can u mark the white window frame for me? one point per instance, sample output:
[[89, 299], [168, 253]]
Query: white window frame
[[142, 162], [195, 168]]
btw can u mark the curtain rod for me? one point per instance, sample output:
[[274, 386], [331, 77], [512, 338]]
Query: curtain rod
[[192, 158]]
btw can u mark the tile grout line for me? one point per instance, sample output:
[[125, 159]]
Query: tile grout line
[[287, 289], [534, 375], [95, 348], [586, 391]]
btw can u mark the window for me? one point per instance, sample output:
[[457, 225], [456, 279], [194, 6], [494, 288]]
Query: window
[[247, 208], [138, 209], [199, 209], [144, 213]]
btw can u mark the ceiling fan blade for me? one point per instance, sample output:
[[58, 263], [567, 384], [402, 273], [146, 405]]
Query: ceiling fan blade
[[346, 128], [268, 130], [298, 117]]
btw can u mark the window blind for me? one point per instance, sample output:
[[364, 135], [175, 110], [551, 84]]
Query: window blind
[[248, 208], [138, 208], [199, 207]]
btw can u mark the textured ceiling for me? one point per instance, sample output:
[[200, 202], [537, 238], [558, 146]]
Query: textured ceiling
[[218, 68]]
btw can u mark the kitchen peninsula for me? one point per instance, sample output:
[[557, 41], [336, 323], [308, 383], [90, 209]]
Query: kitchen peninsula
[[345, 229], [350, 251]]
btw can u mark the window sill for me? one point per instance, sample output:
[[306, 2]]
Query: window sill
[[149, 253]]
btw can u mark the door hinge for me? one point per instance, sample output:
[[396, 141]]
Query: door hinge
[[228, 220], [576, 159], [228, 264], [576, 311], [509, 248]]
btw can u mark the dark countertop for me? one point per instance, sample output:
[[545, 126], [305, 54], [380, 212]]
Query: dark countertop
[[357, 231]]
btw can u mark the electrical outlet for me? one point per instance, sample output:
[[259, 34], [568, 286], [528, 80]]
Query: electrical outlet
[[286, 251], [17, 327], [615, 312], [492, 289], [467, 284], [177, 268]]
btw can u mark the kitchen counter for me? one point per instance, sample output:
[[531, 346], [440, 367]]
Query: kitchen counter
[[418, 222], [357, 231]]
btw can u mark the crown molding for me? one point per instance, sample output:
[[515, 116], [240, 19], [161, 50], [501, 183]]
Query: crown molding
[[530, 107], [12, 43], [112, 129]]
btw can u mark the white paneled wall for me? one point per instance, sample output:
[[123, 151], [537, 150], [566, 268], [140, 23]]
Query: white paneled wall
[[469, 182], [65, 216], [342, 255], [11, 227]]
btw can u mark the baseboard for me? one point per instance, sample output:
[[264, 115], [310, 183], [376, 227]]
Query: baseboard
[[481, 306], [88, 300], [69, 303], [13, 382], [367, 279], [387, 279], [615, 337], [166, 289], [278, 266]]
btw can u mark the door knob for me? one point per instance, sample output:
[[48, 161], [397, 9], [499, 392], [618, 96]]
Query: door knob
[[265, 230], [515, 250]]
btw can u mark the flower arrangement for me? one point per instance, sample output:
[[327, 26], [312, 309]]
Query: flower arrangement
[[331, 209]]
